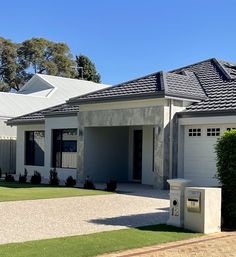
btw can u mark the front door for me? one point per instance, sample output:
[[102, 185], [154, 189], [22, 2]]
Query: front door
[[137, 155]]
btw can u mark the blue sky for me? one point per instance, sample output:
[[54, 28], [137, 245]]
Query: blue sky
[[128, 38]]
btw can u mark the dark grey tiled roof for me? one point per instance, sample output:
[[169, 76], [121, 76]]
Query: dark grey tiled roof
[[150, 84], [220, 86], [153, 85], [39, 116], [212, 82], [183, 85], [64, 108]]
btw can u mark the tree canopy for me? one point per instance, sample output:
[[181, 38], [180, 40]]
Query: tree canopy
[[8, 64], [19, 62], [86, 69]]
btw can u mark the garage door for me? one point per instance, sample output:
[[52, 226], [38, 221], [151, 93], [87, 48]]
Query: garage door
[[199, 153]]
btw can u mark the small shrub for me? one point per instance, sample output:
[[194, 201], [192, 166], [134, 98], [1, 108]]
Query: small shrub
[[36, 178], [53, 178], [226, 175], [111, 186], [9, 178], [23, 178], [88, 184], [70, 182]]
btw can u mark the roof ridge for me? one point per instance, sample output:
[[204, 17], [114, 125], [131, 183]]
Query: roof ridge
[[163, 81], [73, 99], [190, 65], [222, 68], [60, 77]]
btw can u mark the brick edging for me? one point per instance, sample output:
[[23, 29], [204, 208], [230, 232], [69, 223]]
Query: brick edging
[[174, 245]]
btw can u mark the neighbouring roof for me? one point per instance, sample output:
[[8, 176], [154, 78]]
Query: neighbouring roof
[[43, 91]]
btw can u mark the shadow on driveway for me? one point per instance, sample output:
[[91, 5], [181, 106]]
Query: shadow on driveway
[[135, 220]]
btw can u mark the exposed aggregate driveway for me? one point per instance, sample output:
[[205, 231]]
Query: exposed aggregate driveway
[[50, 218]]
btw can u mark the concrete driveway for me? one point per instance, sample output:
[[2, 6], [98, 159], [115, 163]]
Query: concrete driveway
[[135, 205]]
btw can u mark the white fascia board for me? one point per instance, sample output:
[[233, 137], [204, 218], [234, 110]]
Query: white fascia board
[[208, 120], [183, 99]]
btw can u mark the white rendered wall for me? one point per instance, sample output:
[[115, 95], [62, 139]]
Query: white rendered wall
[[147, 154], [147, 161], [50, 124], [70, 122], [20, 150]]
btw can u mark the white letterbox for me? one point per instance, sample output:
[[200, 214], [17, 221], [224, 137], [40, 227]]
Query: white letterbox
[[176, 213], [202, 209]]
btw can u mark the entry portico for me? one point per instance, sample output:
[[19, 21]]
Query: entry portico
[[127, 140], [126, 131]]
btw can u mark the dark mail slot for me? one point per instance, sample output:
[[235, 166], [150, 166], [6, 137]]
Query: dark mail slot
[[193, 201]]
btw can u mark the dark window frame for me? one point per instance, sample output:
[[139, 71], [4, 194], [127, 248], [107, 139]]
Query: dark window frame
[[57, 147], [30, 148]]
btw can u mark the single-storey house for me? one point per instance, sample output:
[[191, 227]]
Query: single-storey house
[[160, 126], [40, 92]]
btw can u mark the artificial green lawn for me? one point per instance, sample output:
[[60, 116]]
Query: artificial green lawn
[[98, 243], [13, 191]]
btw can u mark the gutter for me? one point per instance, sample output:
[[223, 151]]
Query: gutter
[[136, 97], [25, 122], [191, 114], [66, 113], [115, 99]]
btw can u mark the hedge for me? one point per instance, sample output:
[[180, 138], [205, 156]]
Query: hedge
[[226, 175]]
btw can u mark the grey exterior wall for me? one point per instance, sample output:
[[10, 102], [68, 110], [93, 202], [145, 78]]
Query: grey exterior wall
[[106, 153], [125, 117]]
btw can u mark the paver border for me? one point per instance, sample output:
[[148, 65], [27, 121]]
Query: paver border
[[171, 245]]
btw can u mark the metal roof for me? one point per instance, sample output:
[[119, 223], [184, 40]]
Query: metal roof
[[41, 92]]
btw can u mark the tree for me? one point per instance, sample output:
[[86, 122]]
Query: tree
[[226, 175], [19, 62], [8, 65], [86, 69], [39, 55]]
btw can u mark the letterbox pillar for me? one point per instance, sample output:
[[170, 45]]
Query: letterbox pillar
[[203, 209], [176, 215]]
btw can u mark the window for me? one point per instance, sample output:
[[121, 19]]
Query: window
[[212, 132], [229, 129], [34, 148], [195, 132], [64, 148]]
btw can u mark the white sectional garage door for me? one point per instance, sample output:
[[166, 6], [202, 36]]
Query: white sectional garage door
[[199, 155]]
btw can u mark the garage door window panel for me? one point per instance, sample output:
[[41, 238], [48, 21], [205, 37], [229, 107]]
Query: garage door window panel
[[213, 132], [194, 132]]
